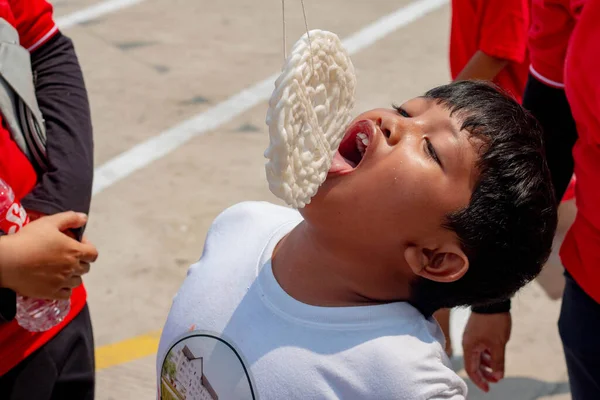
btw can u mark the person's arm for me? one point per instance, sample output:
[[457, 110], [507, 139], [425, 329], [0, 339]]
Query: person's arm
[[482, 66], [502, 38], [63, 101]]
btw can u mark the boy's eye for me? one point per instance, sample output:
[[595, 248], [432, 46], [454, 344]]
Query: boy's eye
[[401, 111], [430, 150]]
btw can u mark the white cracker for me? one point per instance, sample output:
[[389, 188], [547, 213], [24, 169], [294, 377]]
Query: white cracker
[[307, 116]]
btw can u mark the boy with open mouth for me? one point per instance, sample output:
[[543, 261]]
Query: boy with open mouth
[[443, 201]]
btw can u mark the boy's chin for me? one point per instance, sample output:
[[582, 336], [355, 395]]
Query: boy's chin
[[331, 197], [327, 192], [319, 204]]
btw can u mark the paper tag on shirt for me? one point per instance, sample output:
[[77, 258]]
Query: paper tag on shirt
[[204, 365]]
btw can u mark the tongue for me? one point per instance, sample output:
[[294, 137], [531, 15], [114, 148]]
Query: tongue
[[340, 164]]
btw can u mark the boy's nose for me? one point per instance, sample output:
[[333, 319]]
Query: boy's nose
[[392, 126]]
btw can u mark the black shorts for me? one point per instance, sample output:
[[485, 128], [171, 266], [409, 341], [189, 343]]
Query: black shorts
[[61, 369]]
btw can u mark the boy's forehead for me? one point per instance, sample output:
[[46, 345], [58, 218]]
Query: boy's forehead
[[437, 109], [427, 102]]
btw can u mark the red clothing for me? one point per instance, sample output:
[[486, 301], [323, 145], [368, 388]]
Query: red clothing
[[499, 29], [580, 252], [33, 20], [552, 22], [20, 175]]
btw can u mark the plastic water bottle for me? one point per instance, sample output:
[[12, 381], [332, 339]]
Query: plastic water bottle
[[35, 315]]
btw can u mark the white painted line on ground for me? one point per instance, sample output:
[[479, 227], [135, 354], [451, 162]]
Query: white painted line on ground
[[95, 11], [159, 146], [390, 23]]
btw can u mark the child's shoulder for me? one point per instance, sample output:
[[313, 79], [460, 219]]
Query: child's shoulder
[[403, 357], [247, 220], [253, 213]]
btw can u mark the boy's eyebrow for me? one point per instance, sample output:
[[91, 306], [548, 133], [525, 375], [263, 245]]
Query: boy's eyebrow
[[453, 129], [449, 122]]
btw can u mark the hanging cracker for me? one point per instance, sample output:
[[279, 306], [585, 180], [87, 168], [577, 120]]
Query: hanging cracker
[[308, 113]]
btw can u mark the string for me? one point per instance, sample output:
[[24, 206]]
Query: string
[[322, 143], [284, 38], [312, 66]]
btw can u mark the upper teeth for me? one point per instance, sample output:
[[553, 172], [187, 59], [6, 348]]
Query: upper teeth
[[362, 141]]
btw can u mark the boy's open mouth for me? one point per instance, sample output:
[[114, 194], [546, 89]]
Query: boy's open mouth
[[353, 147]]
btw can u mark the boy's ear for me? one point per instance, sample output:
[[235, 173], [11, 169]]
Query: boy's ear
[[445, 264]]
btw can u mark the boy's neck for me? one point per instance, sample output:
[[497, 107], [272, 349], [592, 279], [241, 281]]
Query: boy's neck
[[320, 271]]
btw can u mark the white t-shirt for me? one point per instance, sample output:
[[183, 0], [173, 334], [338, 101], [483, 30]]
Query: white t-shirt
[[234, 333]]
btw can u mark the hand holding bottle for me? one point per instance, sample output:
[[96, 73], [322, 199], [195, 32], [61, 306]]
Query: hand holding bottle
[[41, 261]]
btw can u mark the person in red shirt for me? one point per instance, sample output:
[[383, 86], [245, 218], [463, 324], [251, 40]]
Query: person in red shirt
[[58, 363], [579, 323], [563, 93], [488, 41]]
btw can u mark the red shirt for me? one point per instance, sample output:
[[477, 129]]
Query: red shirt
[[580, 252], [499, 29], [33, 20], [552, 22]]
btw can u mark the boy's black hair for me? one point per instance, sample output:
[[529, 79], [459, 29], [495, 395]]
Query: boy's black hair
[[507, 229]]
